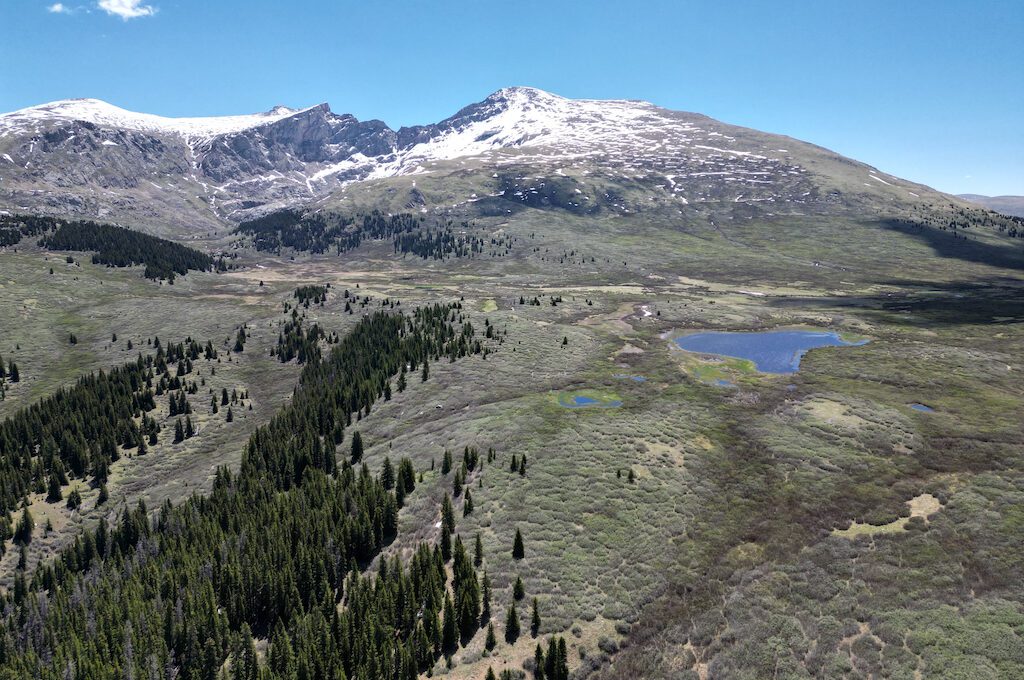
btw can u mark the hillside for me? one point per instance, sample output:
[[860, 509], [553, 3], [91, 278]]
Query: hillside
[[420, 403], [90, 159]]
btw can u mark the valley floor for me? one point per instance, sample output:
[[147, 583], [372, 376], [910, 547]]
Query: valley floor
[[809, 524]]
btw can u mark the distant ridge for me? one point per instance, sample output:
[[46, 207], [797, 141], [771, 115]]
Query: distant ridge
[[1007, 205]]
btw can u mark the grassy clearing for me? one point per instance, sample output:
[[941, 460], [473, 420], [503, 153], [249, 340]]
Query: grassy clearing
[[727, 549]]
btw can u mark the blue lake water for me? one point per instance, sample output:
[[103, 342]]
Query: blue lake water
[[579, 401], [625, 376], [771, 351], [922, 407]]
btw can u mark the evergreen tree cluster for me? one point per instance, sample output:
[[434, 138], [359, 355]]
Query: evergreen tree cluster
[[296, 341], [120, 247], [76, 431], [14, 227], [315, 294], [79, 431], [319, 231], [274, 552]]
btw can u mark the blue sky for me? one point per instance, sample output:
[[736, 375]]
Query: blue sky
[[928, 90]]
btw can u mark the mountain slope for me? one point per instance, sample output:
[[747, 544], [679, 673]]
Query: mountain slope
[[88, 158], [1008, 205]]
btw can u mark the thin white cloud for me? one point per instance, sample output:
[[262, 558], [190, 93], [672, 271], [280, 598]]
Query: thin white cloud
[[58, 8], [127, 9]]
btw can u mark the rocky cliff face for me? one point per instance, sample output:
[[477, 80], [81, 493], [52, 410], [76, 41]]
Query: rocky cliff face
[[88, 158]]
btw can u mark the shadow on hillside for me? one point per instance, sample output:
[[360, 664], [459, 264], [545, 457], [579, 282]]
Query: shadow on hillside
[[994, 301], [1009, 256]]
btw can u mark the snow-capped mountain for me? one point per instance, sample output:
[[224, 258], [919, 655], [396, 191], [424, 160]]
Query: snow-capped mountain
[[86, 157]]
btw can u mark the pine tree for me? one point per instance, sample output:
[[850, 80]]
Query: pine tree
[[490, 674], [190, 429], [447, 514], [446, 462], [562, 664], [449, 636], [534, 620], [518, 590], [230, 416], [387, 474], [485, 596], [53, 493], [23, 532], [13, 373], [478, 549], [538, 662], [446, 544], [401, 381], [518, 551], [104, 494], [426, 370], [74, 499], [357, 447], [490, 642], [179, 432], [512, 625], [551, 661], [213, 405]]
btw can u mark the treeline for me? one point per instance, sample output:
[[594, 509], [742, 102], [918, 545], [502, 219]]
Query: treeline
[[81, 430], [273, 552], [318, 232], [14, 227], [120, 247]]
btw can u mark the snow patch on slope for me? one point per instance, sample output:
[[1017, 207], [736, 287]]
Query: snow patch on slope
[[107, 115]]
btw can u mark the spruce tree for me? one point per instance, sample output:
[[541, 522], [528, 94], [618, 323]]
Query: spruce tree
[[387, 474], [449, 636], [534, 620], [53, 493], [447, 514], [518, 590], [13, 373], [485, 596], [357, 447], [478, 550], [490, 641], [23, 532], [518, 552], [538, 662], [512, 625], [426, 370], [179, 432]]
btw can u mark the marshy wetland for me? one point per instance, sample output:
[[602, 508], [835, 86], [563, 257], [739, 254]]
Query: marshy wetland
[[671, 529]]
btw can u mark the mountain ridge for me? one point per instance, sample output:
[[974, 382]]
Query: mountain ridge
[[92, 159]]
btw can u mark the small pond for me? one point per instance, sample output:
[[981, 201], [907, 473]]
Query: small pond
[[922, 408], [581, 401], [626, 376], [771, 351]]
